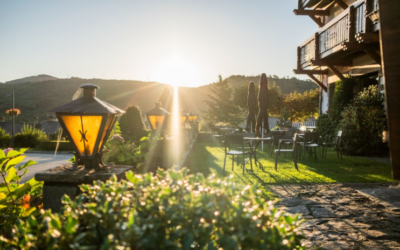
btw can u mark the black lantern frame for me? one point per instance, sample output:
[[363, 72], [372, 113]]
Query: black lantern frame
[[192, 117], [88, 122]]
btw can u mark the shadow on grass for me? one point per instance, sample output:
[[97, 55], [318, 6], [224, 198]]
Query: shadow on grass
[[209, 158]]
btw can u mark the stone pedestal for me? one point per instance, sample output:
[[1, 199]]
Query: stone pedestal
[[60, 180]]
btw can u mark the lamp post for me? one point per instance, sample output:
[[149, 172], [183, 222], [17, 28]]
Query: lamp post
[[88, 122], [184, 118], [157, 117]]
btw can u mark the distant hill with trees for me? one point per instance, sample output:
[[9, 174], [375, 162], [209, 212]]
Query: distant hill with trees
[[36, 98], [38, 78]]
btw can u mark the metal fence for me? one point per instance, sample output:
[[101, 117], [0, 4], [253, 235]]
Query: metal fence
[[273, 122]]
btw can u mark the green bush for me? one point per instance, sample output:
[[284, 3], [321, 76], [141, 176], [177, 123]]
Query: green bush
[[17, 201], [362, 124], [325, 126], [131, 124], [170, 210], [29, 137], [5, 138], [51, 145], [119, 152], [344, 94]]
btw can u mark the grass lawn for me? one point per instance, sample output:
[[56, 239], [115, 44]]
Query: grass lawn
[[209, 158]]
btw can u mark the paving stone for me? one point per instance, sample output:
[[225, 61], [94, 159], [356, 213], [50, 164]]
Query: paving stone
[[338, 245], [310, 224], [294, 201], [323, 236], [341, 201], [374, 234], [301, 209], [393, 219]]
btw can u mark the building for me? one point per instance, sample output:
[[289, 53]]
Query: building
[[357, 38], [347, 43]]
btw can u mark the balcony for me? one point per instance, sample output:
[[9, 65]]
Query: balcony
[[313, 3], [343, 34]]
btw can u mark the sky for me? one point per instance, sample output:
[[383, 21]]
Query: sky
[[178, 42]]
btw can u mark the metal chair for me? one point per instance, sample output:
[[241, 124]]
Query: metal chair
[[292, 151], [235, 140], [310, 142], [336, 142], [276, 138]]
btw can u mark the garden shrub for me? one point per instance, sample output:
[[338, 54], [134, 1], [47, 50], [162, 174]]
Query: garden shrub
[[17, 201], [363, 122], [132, 125], [344, 94], [170, 210], [325, 126], [120, 152], [51, 145], [29, 137], [5, 138]]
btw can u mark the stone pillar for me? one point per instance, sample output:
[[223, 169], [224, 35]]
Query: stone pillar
[[60, 180]]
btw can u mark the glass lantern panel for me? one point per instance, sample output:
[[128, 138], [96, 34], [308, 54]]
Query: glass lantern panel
[[183, 118], [109, 126], [192, 118], [156, 121], [91, 127]]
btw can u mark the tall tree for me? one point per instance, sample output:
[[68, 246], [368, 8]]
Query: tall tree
[[221, 107]]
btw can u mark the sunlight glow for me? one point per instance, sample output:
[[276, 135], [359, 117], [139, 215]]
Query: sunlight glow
[[176, 127], [176, 71]]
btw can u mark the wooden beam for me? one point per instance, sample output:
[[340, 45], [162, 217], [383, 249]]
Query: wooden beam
[[318, 82], [390, 50], [312, 72], [298, 57], [375, 56], [337, 72], [354, 46], [334, 62], [303, 12], [367, 37], [341, 4], [317, 20]]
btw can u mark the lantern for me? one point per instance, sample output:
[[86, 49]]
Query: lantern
[[192, 117], [157, 116], [183, 117], [88, 122]]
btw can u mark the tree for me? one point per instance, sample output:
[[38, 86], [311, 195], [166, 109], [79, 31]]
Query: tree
[[131, 124], [221, 107], [301, 106]]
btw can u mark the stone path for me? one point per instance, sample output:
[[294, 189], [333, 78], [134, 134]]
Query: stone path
[[345, 216]]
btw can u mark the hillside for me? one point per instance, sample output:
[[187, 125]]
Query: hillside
[[32, 79], [37, 99]]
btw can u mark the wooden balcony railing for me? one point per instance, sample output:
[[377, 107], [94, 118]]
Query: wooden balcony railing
[[330, 38]]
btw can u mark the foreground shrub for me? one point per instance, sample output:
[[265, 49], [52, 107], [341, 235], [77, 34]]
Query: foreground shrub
[[30, 137], [363, 123], [5, 138], [17, 201], [325, 126], [171, 210]]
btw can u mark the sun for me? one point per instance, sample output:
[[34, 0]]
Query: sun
[[176, 71]]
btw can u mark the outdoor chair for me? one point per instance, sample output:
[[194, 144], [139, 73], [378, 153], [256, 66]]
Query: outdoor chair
[[292, 151], [336, 142], [270, 135], [289, 130], [234, 141], [246, 147], [276, 138], [310, 142]]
